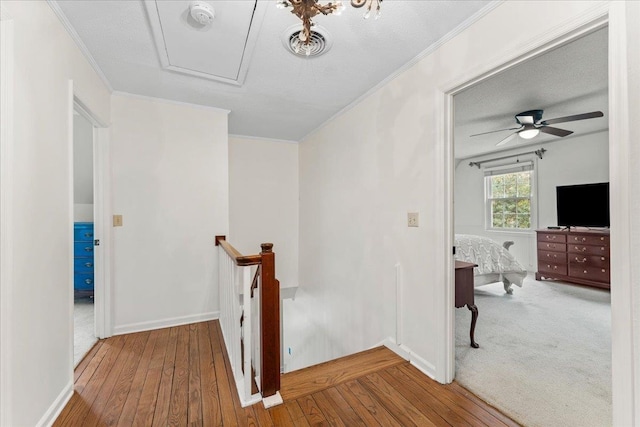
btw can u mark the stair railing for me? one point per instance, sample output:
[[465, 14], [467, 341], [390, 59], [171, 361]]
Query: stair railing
[[250, 321]]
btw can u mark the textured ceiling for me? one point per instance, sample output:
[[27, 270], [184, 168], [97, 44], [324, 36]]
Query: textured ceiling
[[283, 96], [571, 79]]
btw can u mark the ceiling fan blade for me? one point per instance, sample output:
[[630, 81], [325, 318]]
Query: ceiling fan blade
[[507, 139], [555, 131], [584, 116], [494, 131]]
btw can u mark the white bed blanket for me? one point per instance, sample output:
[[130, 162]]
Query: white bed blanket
[[495, 263]]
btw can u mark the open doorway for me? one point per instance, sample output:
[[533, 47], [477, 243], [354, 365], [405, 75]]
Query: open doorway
[[546, 344], [84, 335]]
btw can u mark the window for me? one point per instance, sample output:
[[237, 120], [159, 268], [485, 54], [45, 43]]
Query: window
[[509, 196]]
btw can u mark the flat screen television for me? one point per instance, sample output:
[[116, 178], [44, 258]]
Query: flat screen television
[[585, 205]]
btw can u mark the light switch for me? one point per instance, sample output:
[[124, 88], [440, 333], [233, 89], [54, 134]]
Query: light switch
[[412, 219], [117, 220]]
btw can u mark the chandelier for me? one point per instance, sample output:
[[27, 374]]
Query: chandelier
[[307, 9]]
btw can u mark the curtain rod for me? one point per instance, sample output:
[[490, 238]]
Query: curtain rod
[[538, 153]]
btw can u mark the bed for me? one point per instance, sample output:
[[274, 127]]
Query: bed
[[495, 262]]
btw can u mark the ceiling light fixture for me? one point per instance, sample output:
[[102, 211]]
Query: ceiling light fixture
[[202, 12], [307, 9], [529, 133]]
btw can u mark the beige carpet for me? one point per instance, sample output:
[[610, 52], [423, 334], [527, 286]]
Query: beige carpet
[[545, 353], [83, 330]]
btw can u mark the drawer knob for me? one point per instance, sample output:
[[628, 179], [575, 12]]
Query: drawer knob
[[88, 248], [88, 264], [555, 267], [88, 281], [585, 272], [551, 237], [602, 258], [584, 239], [584, 248], [88, 234], [581, 260], [604, 271], [602, 238]]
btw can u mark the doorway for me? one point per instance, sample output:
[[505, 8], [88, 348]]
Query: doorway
[[84, 335]]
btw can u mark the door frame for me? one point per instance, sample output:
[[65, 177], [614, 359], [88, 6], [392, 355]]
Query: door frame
[[6, 214], [101, 212], [613, 15]]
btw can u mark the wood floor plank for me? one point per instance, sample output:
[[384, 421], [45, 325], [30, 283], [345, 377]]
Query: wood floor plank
[[195, 395], [117, 384], [311, 411], [86, 360], [328, 374], [182, 376], [163, 401], [449, 398], [397, 405], [81, 402], [130, 405], [211, 415], [224, 390], [502, 418], [328, 410], [179, 406], [149, 393], [429, 405], [356, 405], [295, 411]]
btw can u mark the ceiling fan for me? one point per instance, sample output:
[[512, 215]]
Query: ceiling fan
[[531, 124]]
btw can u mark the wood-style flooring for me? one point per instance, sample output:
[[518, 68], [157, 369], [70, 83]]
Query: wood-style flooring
[[181, 376]]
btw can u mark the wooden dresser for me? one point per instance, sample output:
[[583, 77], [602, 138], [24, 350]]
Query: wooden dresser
[[576, 256]]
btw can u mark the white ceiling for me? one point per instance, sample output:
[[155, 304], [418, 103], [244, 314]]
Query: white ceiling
[[571, 79], [283, 96]]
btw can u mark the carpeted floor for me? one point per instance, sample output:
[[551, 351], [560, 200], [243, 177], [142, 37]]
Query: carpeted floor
[[545, 353], [83, 330]]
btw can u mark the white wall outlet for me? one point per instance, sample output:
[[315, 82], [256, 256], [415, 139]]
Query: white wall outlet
[[412, 219]]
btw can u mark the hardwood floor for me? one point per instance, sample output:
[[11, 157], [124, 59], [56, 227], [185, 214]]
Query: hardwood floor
[[181, 376]]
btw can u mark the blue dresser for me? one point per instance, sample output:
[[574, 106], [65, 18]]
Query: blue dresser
[[83, 258]]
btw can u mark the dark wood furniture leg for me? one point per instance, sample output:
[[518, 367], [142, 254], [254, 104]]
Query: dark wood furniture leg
[[474, 317]]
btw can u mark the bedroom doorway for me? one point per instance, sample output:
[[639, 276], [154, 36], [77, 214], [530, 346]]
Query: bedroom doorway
[[530, 333]]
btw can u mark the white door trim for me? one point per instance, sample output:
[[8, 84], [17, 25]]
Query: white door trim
[[6, 214], [102, 213], [613, 14]]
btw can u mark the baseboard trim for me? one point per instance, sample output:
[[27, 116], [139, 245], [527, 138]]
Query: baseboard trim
[[165, 323], [57, 406], [406, 353]]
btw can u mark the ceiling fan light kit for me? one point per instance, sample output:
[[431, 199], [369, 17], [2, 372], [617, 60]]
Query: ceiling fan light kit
[[531, 124], [308, 9]]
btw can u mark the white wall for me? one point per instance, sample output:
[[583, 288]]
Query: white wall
[[263, 201], [170, 183], [364, 170], [581, 159], [39, 346], [82, 169]]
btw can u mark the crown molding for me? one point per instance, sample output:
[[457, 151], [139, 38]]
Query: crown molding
[[169, 101], [260, 138], [428, 51], [78, 41]]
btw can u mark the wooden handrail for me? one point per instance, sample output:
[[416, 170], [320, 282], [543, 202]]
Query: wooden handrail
[[238, 258]]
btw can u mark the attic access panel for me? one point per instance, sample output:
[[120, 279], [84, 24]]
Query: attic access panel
[[220, 51]]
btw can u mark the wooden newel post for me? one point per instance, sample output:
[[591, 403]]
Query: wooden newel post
[[269, 322]]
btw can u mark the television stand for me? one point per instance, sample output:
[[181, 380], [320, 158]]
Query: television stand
[[575, 255]]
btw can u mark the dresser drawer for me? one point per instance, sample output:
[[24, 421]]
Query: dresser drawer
[[83, 265], [83, 281], [598, 274], [572, 248], [83, 249], [555, 247], [549, 267], [589, 260], [83, 234], [585, 239], [552, 237], [554, 257]]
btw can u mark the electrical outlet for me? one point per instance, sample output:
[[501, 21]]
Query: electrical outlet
[[412, 219], [117, 220]]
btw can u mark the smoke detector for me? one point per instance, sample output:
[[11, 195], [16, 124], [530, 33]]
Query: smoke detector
[[202, 12], [320, 41]]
